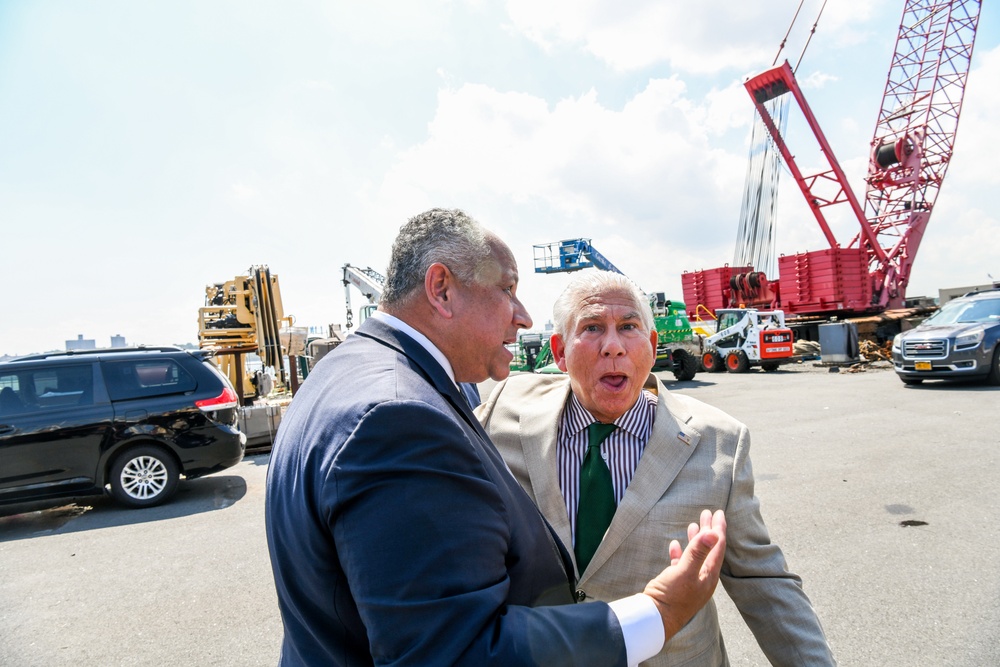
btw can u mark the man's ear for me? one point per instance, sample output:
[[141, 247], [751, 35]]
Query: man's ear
[[654, 338], [558, 347], [439, 286]]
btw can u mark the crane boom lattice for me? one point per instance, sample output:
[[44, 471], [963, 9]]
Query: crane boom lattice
[[915, 132]]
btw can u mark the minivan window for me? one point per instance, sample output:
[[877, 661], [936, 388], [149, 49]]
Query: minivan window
[[10, 395], [145, 378], [47, 388]]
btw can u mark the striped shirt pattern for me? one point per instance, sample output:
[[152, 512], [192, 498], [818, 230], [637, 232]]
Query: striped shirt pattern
[[621, 450]]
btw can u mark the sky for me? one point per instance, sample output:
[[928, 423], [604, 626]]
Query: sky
[[149, 149]]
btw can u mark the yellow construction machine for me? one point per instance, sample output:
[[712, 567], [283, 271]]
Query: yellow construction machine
[[243, 320]]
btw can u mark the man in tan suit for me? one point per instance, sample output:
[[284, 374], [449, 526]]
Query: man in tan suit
[[667, 457]]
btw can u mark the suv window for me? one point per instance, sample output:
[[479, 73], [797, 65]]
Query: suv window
[[145, 378], [964, 311], [46, 388]]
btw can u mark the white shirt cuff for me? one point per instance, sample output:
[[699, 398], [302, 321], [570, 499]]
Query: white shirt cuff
[[641, 626]]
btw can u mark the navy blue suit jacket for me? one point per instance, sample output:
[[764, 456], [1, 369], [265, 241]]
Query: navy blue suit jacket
[[397, 535]]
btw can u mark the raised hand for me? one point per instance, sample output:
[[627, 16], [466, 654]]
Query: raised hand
[[689, 581]]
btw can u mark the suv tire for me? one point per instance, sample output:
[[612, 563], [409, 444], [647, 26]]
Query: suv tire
[[993, 377], [143, 476]]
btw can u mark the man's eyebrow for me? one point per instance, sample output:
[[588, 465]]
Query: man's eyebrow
[[589, 314]]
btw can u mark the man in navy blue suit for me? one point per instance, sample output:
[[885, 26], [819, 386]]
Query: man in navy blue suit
[[397, 534]]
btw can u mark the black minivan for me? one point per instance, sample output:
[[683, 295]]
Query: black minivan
[[129, 419]]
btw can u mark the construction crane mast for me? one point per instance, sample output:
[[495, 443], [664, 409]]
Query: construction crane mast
[[915, 134], [909, 154]]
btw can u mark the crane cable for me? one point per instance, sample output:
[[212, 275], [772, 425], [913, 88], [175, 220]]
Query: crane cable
[[755, 244], [809, 39], [781, 47]]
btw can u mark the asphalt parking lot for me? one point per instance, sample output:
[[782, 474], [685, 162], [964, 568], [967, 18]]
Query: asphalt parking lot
[[883, 497]]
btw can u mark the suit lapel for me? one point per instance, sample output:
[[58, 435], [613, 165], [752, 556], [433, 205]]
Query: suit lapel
[[539, 428], [670, 445]]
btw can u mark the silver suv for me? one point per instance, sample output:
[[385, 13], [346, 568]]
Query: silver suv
[[957, 342]]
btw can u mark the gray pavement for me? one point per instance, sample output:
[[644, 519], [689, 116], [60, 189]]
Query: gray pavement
[[841, 460]]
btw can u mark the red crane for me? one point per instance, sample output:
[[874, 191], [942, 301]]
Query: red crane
[[909, 155]]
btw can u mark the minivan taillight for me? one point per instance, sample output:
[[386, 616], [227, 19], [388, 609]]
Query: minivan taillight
[[227, 399]]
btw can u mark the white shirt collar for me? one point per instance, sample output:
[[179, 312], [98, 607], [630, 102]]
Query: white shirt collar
[[423, 340]]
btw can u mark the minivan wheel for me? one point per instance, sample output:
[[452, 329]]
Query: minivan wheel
[[143, 476]]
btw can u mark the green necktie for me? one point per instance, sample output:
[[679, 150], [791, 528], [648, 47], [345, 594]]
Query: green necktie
[[597, 496]]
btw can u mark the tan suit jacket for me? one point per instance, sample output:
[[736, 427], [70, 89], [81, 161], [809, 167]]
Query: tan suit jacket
[[697, 457]]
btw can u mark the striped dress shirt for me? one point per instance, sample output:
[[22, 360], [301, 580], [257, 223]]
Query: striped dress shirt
[[621, 450]]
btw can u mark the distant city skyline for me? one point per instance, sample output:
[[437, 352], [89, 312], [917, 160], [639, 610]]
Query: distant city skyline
[[82, 343]]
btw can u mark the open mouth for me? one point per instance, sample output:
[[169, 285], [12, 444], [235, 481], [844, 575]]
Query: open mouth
[[614, 381]]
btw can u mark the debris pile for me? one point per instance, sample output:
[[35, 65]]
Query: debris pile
[[872, 351], [873, 355]]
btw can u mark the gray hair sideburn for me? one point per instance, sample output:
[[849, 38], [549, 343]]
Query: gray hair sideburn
[[588, 284], [448, 236]]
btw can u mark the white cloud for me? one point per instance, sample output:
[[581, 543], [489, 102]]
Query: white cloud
[[816, 80], [647, 183], [650, 161], [656, 185], [693, 37]]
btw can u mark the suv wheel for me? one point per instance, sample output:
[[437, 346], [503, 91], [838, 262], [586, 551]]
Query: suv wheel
[[994, 375], [143, 476]]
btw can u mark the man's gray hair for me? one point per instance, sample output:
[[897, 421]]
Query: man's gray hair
[[592, 283], [448, 236]]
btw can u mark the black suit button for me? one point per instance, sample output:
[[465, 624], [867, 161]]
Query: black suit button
[[580, 595]]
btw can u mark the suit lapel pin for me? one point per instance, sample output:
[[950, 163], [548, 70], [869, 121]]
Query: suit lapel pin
[[684, 437]]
